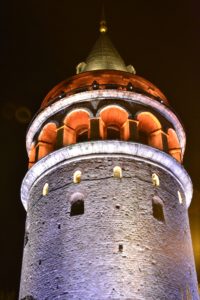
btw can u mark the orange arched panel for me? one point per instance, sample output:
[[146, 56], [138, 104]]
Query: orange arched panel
[[148, 122], [47, 140], [114, 118], [75, 124], [173, 144], [172, 139], [32, 155], [48, 133], [125, 131], [155, 139], [69, 135], [77, 118], [150, 130], [114, 115]]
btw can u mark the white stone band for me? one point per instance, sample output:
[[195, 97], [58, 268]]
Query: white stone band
[[93, 149], [100, 95]]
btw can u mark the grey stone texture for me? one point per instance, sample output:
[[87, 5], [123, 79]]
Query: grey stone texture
[[117, 249]]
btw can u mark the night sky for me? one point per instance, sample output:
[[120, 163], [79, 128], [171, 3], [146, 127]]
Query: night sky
[[42, 41]]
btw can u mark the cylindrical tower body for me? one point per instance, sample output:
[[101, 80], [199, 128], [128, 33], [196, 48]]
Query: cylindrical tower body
[[106, 194]]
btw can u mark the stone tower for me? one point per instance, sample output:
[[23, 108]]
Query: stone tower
[[106, 194]]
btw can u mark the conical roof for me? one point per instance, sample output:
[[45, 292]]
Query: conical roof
[[103, 55]]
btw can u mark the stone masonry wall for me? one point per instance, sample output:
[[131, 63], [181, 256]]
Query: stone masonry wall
[[118, 249]]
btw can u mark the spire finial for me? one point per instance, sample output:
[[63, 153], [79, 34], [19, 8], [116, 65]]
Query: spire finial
[[103, 26]]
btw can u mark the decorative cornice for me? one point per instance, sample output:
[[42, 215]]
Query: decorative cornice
[[100, 95]]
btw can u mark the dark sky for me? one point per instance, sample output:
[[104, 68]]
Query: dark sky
[[41, 43]]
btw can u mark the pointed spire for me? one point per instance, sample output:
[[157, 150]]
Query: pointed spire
[[104, 56], [103, 26]]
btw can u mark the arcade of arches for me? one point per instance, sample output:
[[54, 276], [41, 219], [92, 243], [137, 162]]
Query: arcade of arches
[[111, 123]]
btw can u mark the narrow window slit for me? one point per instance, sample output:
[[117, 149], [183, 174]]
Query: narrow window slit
[[157, 206], [26, 238], [120, 247]]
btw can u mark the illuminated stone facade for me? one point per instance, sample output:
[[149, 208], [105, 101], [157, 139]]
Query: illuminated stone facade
[[106, 194]]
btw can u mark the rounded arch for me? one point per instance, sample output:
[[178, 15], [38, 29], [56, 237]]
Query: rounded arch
[[104, 107], [150, 130], [76, 196], [77, 204], [48, 133], [148, 122], [76, 127], [114, 123], [47, 139], [173, 144]]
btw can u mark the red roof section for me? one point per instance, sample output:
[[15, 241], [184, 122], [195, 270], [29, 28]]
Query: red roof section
[[104, 79]]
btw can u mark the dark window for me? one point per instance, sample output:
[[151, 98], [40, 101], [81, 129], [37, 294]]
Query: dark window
[[95, 85], [143, 137], [129, 86], [77, 208], [62, 95], [82, 135], [157, 206], [113, 133], [120, 248], [111, 86]]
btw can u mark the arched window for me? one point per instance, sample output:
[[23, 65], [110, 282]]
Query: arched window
[[114, 123], [47, 139], [150, 130], [77, 204], [82, 134], [77, 208], [173, 144], [158, 209], [76, 127], [113, 132]]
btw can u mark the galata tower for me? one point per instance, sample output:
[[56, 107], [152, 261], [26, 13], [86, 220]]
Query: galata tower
[[106, 193]]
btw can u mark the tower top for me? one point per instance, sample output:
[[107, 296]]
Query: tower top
[[103, 24], [104, 55]]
